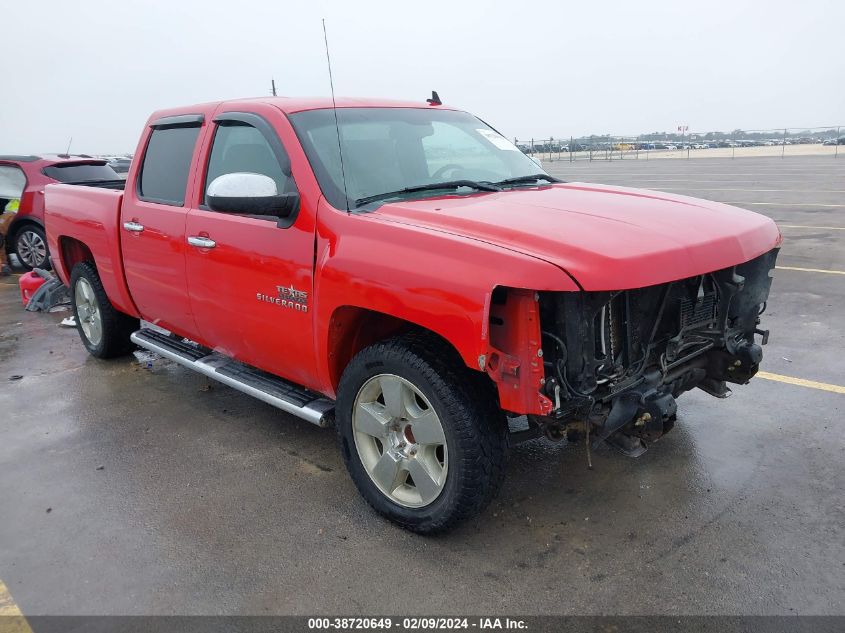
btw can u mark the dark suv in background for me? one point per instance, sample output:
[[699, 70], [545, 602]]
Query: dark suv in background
[[24, 177]]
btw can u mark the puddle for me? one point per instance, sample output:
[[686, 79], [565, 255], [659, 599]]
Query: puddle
[[146, 358]]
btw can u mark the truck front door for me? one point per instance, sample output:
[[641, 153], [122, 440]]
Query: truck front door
[[250, 278]]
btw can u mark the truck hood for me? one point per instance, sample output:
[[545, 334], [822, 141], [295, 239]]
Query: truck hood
[[606, 238]]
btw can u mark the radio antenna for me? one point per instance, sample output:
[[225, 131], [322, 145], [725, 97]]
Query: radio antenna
[[334, 109]]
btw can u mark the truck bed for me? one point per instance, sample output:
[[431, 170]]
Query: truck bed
[[88, 215]]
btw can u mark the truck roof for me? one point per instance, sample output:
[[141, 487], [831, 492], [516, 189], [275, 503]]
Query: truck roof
[[298, 104], [289, 105]]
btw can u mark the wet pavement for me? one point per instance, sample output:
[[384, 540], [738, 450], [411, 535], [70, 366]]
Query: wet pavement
[[127, 489]]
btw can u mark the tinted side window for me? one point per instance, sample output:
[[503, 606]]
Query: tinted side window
[[80, 172], [239, 147], [167, 161]]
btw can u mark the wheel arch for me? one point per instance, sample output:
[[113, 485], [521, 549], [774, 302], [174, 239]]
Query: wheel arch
[[21, 221], [17, 225], [353, 328], [73, 252]]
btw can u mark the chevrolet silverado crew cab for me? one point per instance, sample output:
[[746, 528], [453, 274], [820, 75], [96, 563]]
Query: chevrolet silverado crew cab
[[404, 272]]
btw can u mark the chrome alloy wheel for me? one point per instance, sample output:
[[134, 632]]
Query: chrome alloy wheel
[[88, 312], [400, 440], [31, 249]]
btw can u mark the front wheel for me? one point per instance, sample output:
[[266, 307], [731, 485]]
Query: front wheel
[[104, 331], [421, 435], [31, 247]]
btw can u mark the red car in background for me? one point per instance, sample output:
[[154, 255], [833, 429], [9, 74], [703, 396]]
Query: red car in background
[[24, 178]]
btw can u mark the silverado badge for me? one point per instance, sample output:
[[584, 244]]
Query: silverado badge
[[288, 297]]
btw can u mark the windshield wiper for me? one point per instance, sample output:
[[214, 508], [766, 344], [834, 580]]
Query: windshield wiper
[[527, 179], [451, 184]]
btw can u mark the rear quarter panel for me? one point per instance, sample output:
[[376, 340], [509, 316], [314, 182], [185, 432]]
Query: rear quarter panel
[[91, 216]]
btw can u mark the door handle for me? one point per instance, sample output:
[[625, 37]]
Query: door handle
[[134, 227], [201, 242]]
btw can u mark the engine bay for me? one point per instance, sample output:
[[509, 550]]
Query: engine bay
[[615, 361]]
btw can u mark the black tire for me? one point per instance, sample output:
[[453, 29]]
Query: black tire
[[115, 326], [30, 242], [475, 429]]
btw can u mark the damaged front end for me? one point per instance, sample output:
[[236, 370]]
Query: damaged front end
[[614, 362]]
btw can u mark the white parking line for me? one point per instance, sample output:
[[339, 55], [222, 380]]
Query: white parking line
[[759, 190], [704, 175], [628, 180], [784, 204], [697, 175], [803, 226]]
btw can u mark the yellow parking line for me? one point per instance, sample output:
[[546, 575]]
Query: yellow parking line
[[812, 384], [7, 605], [811, 270], [11, 618], [802, 226]]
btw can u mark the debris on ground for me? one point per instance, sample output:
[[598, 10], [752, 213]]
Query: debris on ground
[[42, 297], [145, 358], [68, 322]]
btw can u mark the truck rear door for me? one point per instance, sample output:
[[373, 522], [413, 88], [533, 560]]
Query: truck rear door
[[152, 223], [250, 279]]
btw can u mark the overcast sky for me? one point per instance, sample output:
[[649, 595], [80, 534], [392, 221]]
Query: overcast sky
[[95, 70]]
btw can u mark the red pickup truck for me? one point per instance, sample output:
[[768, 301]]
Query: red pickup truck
[[403, 271]]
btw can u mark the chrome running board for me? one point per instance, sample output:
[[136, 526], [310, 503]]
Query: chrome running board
[[271, 389]]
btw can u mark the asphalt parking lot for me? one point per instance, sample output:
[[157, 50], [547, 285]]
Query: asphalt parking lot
[[129, 489]]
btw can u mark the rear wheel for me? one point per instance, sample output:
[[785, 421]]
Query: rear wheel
[[421, 435], [31, 247], [104, 331]]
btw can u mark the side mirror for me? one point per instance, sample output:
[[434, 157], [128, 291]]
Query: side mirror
[[249, 194]]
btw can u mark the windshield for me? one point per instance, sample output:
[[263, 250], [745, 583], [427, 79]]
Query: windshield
[[80, 172], [391, 149]]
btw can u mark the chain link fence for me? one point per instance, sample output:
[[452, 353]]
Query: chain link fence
[[782, 142]]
